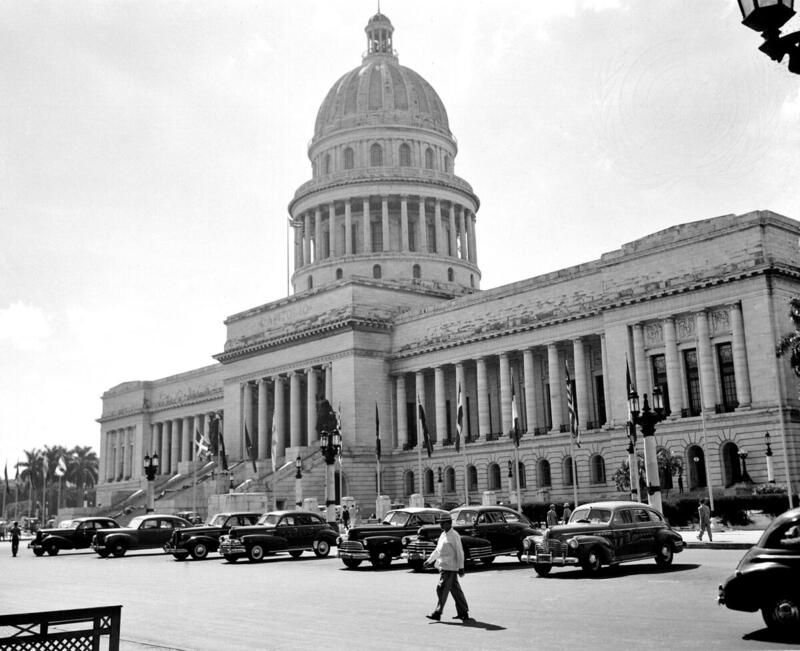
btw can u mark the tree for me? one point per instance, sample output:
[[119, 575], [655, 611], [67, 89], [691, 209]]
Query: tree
[[30, 471], [82, 468], [669, 464], [790, 342], [622, 477]]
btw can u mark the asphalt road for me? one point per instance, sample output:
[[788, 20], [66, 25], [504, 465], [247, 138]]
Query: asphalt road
[[317, 603]]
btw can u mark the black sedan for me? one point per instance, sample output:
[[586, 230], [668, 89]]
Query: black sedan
[[143, 532], [70, 534], [198, 542], [768, 576]]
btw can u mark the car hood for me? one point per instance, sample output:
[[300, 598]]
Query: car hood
[[201, 529], [238, 532], [118, 530], [365, 531]]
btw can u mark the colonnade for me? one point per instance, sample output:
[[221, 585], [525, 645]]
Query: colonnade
[[401, 223]]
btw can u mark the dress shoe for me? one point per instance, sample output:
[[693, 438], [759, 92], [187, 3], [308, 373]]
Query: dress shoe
[[464, 618], [434, 616]]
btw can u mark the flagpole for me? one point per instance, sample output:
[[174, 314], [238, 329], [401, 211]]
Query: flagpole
[[574, 470], [516, 477], [705, 456], [419, 446]]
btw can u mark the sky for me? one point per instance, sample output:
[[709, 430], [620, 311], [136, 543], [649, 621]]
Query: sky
[[149, 150]]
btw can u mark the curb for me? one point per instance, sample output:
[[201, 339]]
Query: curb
[[716, 545]]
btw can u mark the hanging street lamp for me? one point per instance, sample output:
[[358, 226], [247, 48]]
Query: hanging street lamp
[[767, 17], [646, 419]]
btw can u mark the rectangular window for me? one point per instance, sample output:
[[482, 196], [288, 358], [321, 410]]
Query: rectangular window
[[659, 363], [692, 381], [601, 400], [411, 419], [449, 420], [412, 239], [727, 377], [548, 414], [377, 236]]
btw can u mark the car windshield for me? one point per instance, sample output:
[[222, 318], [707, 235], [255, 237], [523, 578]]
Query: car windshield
[[595, 516], [218, 520], [134, 524], [268, 520], [68, 524], [397, 518]]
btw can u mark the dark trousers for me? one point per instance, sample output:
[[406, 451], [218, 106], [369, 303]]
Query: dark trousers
[[14, 546], [448, 584]]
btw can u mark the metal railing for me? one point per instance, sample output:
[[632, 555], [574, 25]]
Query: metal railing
[[75, 629]]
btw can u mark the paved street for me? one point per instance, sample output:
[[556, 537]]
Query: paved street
[[306, 603]]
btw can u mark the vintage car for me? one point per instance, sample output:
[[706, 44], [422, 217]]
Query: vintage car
[[198, 542], [70, 534], [605, 533], [486, 532], [192, 516], [380, 543], [768, 576], [149, 531], [279, 531]]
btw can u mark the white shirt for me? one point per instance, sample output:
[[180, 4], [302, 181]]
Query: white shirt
[[449, 553]]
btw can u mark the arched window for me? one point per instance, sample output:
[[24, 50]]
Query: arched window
[[597, 470], [327, 163], [409, 482], [472, 478], [731, 470], [349, 159], [543, 468], [313, 169], [450, 480], [310, 282], [523, 482], [493, 477], [450, 274], [428, 481], [472, 281], [339, 274], [697, 467], [567, 471], [447, 164], [376, 155], [405, 155], [429, 159], [376, 271], [416, 272]]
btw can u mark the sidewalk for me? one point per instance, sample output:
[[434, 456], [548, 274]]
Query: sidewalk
[[723, 538]]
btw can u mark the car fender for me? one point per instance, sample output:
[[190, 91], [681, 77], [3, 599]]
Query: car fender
[[585, 542], [673, 538], [209, 541], [114, 538], [58, 541], [746, 590], [468, 541], [391, 543], [329, 536], [269, 543]]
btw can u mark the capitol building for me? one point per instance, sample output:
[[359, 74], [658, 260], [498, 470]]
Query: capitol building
[[387, 311]]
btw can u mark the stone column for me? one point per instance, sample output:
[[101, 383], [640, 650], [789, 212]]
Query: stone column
[[298, 245], [453, 235], [423, 226], [643, 381], [740, 367], [164, 454], [280, 416], [153, 447], [175, 445], [474, 247], [505, 394], [126, 464], [441, 404], [402, 416], [311, 405], [385, 221], [461, 230], [329, 383], [484, 426], [295, 413], [186, 438], [317, 234], [606, 380], [247, 420], [404, 223], [109, 457], [437, 215], [331, 230], [673, 363], [367, 230], [530, 393], [307, 238], [348, 229], [461, 382], [555, 376], [121, 453], [705, 361], [581, 384], [263, 418]]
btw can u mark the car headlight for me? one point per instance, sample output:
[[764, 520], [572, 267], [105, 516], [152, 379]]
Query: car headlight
[[572, 543], [405, 540]]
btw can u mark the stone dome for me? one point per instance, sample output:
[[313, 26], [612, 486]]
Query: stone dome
[[381, 92]]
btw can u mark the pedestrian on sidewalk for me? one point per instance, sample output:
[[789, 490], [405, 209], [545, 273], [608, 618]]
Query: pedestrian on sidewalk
[[449, 559], [346, 518], [704, 515], [552, 516], [567, 512], [15, 534]]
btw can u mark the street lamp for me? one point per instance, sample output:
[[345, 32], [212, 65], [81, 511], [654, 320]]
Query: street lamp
[[330, 444], [298, 482], [440, 486], [150, 471], [767, 17], [743, 456], [770, 469], [646, 419]]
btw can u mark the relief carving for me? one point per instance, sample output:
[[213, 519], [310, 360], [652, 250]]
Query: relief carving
[[720, 322], [653, 334], [684, 326]]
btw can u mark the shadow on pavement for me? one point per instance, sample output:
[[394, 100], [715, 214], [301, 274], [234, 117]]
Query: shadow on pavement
[[766, 635], [618, 572], [473, 623]]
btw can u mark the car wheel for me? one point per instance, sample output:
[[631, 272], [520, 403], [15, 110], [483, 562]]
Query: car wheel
[[593, 561], [351, 563], [322, 549], [199, 552], [542, 569], [296, 553], [255, 553], [118, 550], [38, 552], [416, 565], [488, 560], [782, 613], [52, 550], [103, 553], [381, 561], [664, 555]]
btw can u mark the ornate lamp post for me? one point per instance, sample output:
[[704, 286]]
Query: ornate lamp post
[[298, 482], [770, 468], [743, 456], [440, 486], [150, 471], [330, 444], [646, 419], [767, 17]]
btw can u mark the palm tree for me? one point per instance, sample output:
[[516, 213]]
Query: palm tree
[[82, 467], [31, 472], [790, 342]]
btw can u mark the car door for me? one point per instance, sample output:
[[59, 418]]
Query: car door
[[624, 536], [490, 525], [644, 529], [148, 534], [286, 529], [84, 533]]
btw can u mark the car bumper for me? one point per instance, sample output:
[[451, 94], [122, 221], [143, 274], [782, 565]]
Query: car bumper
[[178, 551], [232, 548], [99, 547], [34, 545], [542, 558]]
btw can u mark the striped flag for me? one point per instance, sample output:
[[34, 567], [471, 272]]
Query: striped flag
[[61, 468], [426, 436], [274, 451], [514, 418], [251, 451], [572, 409], [203, 448], [631, 390], [459, 420], [377, 434], [223, 455]]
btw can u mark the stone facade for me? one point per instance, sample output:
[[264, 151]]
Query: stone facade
[[379, 322]]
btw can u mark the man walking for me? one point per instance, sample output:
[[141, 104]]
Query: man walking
[[449, 559], [15, 534], [704, 514]]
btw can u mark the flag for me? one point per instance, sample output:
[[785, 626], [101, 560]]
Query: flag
[[8, 488], [572, 409], [251, 452], [61, 468], [377, 434], [631, 390], [213, 436], [514, 418], [45, 466], [274, 451], [339, 429], [426, 436], [221, 439], [203, 448], [459, 419]]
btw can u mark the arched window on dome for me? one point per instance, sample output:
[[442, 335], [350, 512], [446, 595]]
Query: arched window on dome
[[376, 155], [447, 164], [376, 271], [450, 274], [327, 164], [429, 159], [349, 159], [310, 282], [416, 271], [313, 169], [339, 274], [405, 155], [472, 281]]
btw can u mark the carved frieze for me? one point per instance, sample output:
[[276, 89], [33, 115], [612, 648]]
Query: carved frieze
[[720, 322], [653, 334], [684, 327]]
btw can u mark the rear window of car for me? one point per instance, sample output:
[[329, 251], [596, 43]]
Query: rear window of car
[[466, 517]]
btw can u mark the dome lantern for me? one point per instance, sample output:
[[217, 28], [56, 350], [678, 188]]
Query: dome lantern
[[379, 31]]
